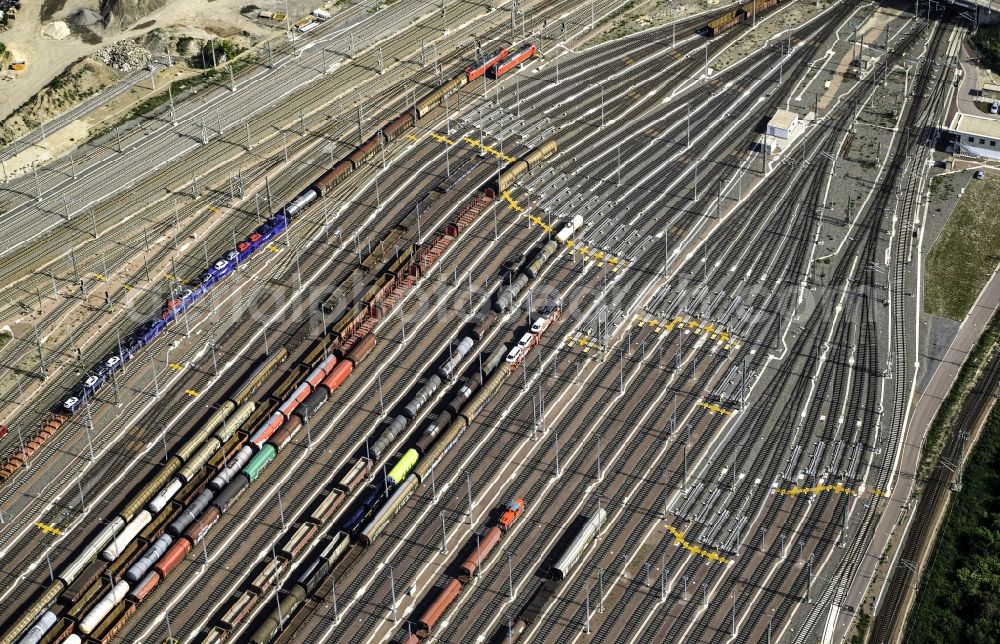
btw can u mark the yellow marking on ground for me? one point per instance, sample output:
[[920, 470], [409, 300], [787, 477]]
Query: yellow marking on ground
[[488, 149], [516, 207], [411, 137], [213, 209], [695, 548], [816, 489], [174, 278], [274, 249], [47, 528], [879, 493], [175, 366], [596, 254], [541, 224], [439, 138], [191, 392], [127, 287], [100, 277], [714, 331], [716, 409]]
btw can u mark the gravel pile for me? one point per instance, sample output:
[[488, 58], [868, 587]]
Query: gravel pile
[[56, 30], [85, 18], [125, 56]]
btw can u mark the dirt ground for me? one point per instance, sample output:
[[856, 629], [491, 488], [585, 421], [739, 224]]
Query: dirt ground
[[48, 57], [777, 20], [873, 29], [646, 14]]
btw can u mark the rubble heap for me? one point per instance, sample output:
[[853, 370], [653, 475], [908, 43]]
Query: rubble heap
[[125, 56]]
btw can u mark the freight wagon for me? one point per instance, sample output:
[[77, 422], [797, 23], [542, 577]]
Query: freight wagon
[[239, 456], [744, 12]]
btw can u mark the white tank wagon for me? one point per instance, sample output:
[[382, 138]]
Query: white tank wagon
[[579, 545]]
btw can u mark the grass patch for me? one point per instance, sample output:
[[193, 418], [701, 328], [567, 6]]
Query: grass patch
[[941, 428], [957, 598], [178, 87], [861, 628], [941, 188], [5, 337], [966, 253], [218, 51]]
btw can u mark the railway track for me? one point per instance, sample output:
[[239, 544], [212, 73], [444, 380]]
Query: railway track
[[302, 476], [869, 370], [889, 621]]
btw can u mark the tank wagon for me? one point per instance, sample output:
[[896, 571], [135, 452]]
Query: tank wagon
[[171, 502], [381, 502]]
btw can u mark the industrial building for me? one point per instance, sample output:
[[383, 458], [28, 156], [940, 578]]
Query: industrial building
[[977, 135]]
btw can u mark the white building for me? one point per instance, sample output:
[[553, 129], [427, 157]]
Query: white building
[[783, 125], [977, 135]]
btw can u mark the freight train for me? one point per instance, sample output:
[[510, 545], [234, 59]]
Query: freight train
[[530, 269], [181, 504], [469, 568], [189, 505], [384, 499], [493, 66], [271, 230], [746, 11]]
